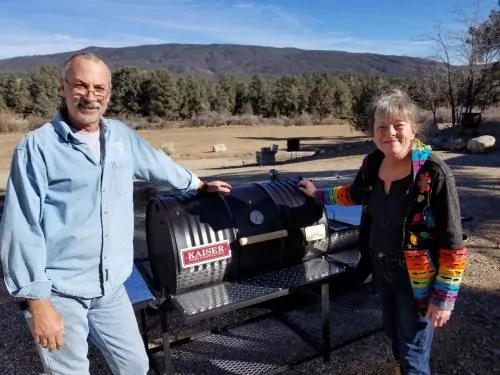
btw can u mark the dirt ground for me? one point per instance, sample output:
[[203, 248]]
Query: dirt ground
[[468, 344]]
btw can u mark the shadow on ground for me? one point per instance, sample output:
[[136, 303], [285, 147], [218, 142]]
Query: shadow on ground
[[330, 147], [282, 139], [323, 152], [490, 160], [478, 191]]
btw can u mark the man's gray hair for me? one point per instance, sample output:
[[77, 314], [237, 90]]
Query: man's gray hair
[[395, 103], [81, 54]]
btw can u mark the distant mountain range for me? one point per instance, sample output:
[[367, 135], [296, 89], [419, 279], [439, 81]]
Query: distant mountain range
[[240, 60]]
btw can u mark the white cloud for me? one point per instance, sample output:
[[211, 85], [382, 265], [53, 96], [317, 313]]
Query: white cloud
[[256, 24], [25, 42], [187, 21], [275, 37]]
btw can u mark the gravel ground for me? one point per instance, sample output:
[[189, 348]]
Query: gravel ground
[[468, 344]]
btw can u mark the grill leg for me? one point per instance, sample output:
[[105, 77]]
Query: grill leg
[[145, 339], [165, 338], [325, 307], [144, 328]]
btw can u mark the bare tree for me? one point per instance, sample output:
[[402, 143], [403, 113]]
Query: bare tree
[[432, 90], [443, 73], [480, 58], [487, 36], [464, 64]]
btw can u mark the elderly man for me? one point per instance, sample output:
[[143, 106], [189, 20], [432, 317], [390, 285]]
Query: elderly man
[[67, 228]]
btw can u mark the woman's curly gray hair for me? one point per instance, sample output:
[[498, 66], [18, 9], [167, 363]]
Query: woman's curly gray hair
[[394, 103]]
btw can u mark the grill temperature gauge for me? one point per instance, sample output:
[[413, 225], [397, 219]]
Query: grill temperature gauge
[[256, 217]]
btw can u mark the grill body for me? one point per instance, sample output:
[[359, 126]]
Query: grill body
[[198, 239]]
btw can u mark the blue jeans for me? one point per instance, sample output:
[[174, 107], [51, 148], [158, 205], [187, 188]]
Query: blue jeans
[[411, 333], [110, 323]]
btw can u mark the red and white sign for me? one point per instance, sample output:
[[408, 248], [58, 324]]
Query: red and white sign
[[194, 256]]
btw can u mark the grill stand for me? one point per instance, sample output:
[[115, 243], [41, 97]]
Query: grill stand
[[232, 296]]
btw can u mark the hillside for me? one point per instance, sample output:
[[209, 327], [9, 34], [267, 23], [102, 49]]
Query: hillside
[[239, 60]]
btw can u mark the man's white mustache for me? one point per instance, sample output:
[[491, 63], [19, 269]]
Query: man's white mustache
[[87, 104]]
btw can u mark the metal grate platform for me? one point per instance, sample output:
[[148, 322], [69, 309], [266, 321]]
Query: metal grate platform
[[299, 275], [193, 304], [199, 303], [254, 348], [275, 344]]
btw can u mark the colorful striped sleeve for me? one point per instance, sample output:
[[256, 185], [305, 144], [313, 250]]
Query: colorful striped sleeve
[[451, 266], [340, 195], [452, 253]]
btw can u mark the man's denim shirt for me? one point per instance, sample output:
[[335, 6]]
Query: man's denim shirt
[[68, 220]]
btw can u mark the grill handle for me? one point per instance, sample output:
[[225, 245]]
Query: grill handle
[[263, 237]]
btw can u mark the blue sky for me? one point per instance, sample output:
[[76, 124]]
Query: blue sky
[[398, 27]]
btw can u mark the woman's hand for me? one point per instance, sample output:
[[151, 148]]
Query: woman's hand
[[438, 317], [307, 187]]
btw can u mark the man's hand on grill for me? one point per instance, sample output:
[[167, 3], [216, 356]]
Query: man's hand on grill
[[216, 187]]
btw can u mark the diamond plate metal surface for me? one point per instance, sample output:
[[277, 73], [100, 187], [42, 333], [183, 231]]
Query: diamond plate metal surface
[[253, 348], [209, 298], [298, 275], [216, 296], [201, 275], [353, 314]]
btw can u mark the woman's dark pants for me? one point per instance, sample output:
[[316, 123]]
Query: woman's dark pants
[[410, 332]]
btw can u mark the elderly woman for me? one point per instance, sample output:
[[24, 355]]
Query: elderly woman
[[410, 229]]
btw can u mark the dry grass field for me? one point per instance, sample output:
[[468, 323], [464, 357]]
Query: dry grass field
[[192, 147], [468, 344]]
